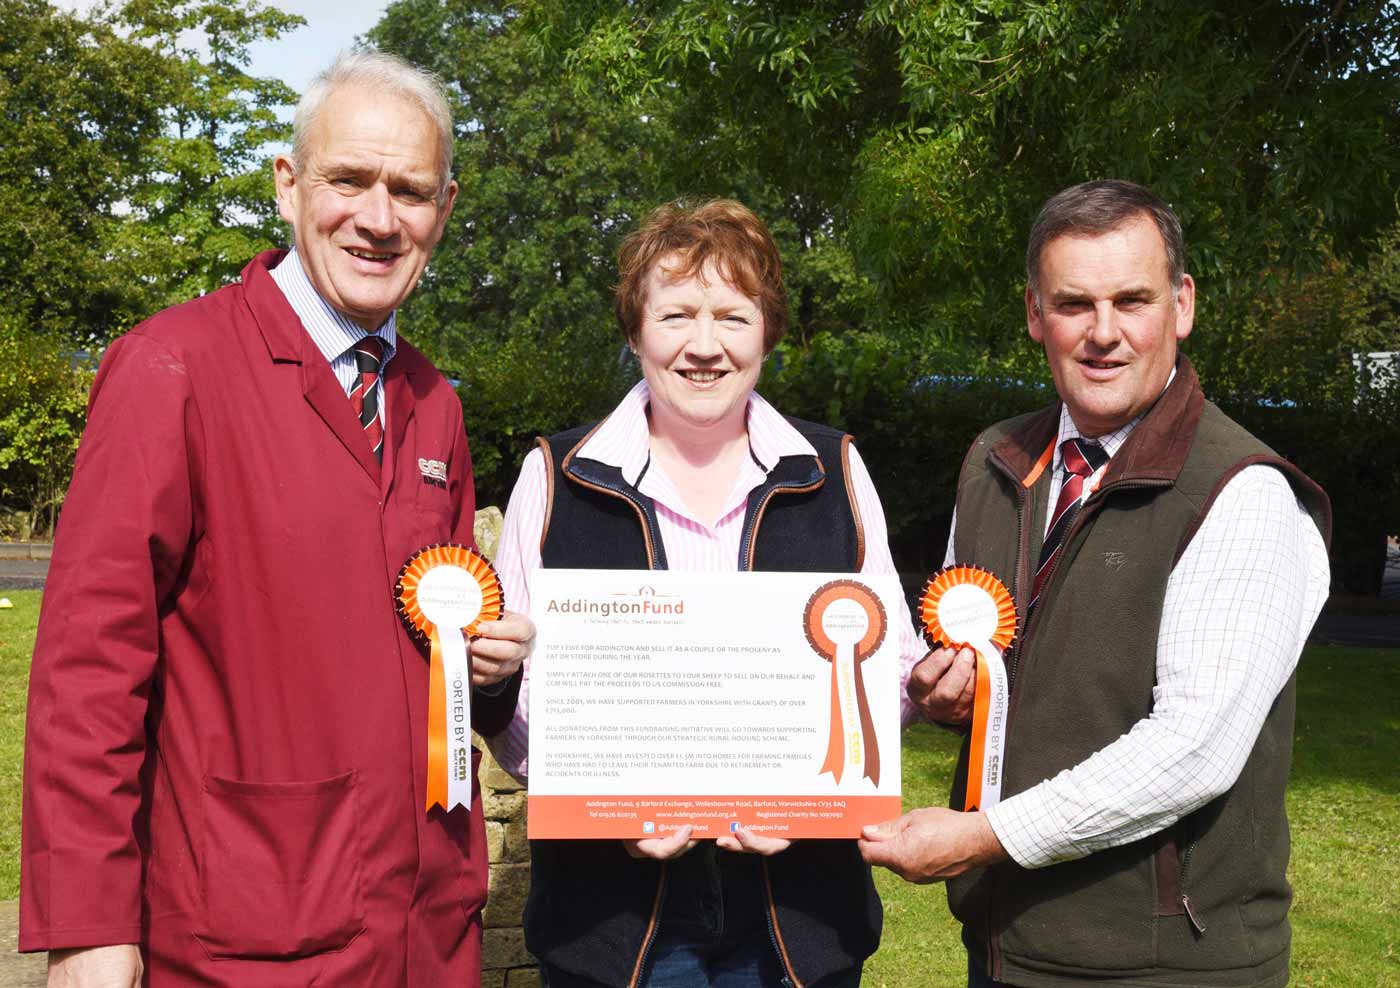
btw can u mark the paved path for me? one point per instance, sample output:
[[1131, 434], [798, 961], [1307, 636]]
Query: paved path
[[18, 970], [23, 574]]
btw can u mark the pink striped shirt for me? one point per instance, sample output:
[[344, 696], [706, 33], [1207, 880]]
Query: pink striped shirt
[[623, 441]]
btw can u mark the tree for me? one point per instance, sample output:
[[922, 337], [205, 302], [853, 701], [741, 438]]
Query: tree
[[131, 169], [80, 105], [517, 301], [923, 136], [43, 405], [206, 197], [133, 175], [1271, 126]]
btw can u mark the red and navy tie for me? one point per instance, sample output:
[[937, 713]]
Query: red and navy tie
[[364, 396], [1082, 460]]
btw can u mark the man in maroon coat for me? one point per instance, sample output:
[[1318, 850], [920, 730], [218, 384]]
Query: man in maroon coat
[[225, 763]]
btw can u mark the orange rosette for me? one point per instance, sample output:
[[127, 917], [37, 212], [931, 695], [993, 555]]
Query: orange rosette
[[970, 621], [846, 614], [446, 592], [966, 606], [493, 599]]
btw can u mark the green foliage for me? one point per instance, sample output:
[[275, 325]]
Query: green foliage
[[80, 105], [1320, 402], [909, 146], [1382, 282], [911, 437], [133, 175], [1351, 448], [43, 405], [898, 151], [929, 134], [1272, 129], [132, 170], [768, 103], [520, 390], [206, 196], [517, 302]]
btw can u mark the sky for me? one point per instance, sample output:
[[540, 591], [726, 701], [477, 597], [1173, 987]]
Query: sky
[[331, 26]]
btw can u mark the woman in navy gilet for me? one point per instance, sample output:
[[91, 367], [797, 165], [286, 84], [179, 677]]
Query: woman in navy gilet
[[694, 470]]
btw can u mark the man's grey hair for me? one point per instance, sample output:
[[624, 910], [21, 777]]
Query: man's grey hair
[[1092, 209], [381, 72]]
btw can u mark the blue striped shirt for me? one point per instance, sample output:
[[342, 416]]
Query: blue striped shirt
[[333, 332]]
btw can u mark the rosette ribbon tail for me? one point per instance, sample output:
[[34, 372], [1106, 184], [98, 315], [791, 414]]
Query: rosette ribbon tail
[[449, 720], [845, 624], [437, 726], [867, 731], [835, 746], [987, 741]]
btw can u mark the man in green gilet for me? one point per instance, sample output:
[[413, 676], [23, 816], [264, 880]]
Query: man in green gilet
[[1166, 568]]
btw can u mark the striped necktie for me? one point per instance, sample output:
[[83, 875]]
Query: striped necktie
[[1082, 460], [364, 396]]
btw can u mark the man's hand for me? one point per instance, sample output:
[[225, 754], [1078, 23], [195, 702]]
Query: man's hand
[[117, 966], [661, 848], [500, 646], [745, 841], [941, 686], [931, 845]]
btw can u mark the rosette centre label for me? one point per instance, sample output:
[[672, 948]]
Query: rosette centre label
[[968, 613], [449, 597], [845, 621]]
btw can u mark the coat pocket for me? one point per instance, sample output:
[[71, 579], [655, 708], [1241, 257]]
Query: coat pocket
[[280, 867]]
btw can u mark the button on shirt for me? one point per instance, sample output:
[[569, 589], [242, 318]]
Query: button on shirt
[[1238, 608], [332, 331], [623, 441]]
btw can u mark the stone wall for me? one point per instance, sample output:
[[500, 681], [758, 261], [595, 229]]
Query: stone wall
[[504, 961]]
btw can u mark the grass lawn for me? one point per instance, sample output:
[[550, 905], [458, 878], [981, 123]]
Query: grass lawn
[[16, 645], [1344, 802]]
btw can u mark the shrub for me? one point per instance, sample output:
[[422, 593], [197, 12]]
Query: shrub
[[43, 406]]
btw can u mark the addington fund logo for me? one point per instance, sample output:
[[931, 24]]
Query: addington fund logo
[[645, 602]]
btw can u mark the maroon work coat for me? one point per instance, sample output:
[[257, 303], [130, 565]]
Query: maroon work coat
[[225, 758]]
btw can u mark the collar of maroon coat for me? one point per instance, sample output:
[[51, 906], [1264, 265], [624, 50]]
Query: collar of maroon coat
[[408, 377], [1155, 451]]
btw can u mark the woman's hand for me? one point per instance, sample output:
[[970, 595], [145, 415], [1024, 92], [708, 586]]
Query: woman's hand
[[745, 841], [661, 848], [500, 647]]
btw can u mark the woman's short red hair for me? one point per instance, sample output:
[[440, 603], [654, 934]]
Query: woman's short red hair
[[722, 232]]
